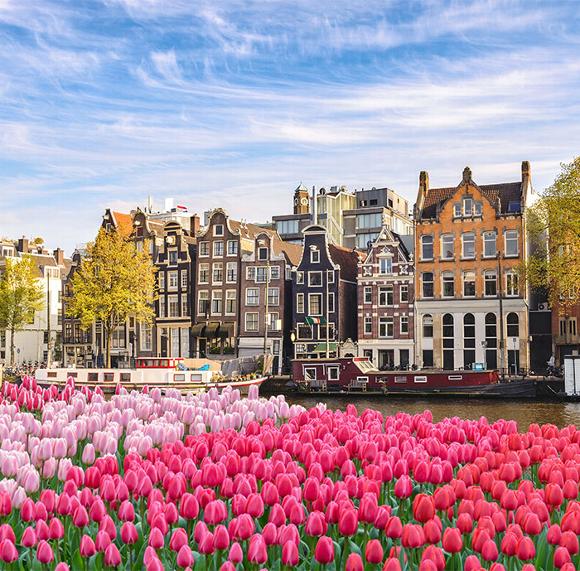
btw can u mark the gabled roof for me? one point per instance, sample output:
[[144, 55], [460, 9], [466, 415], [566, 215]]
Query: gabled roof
[[347, 259], [293, 251], [123, 223], [405, 243]]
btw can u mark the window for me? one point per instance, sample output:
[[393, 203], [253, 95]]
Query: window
[[172, 280], [467, 207], [251, 273], [232, 247], [368, 325], [404, 325], [468, 245], [218, 230], [299, 303], [310, 374], [427, 279], [304, 331], [448, 342], [314, 256], [203, 273], [333, 373], [427, 326], [184, 308], [469, 284], [231, 302], [146, 337], [183, 279], [513, 325], [364, 240], [511, 243], [314, 279], [173, 306], [512, 287], [218, 249], [385, 296], [368, 294], [427, 358], [261, 274], [315, 304], [448, 285], [287, 227], [478, 209], [299, 277], [490, 279], [447, 247], [218, 273], [330, 276], [203, 303], [386, 327], [274, 272], [273, 296], [572, 328], [251, 321], [404, 293], [273, 321], [364, 221], [204, 248], [232, 272], [162, 312], [468, 340], [457, 210], [172, 257], [216, 302], [426, 247], [331, 302], [490, 341], [262, 253], [252, 296], [489, 245], [563, 326], [386, 265], [161, 280]]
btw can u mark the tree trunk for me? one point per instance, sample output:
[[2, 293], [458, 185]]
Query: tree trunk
[[109, 334], [12, 345]]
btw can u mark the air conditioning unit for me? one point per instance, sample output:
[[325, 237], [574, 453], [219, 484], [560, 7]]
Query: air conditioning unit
[[543, 307]]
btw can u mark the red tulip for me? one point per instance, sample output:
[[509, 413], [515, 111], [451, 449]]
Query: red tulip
[[324, 551], [28, 537], [392, 564], [374, 551], [403, 487], [413, 536], [434, 554], [423, 508], [315, 525], [56, 529], [526, 549], [80, 517], [561, 557], [129, 533], [112, 556], [236, 555], [509, 544], [465, 523], [8, 551], [257, 551], [394, 528], [102, 541], [87, 547], [354, 563], [185, 556], [156, 539], [569, 540], [62, 567], [348, 522], [489, 550], [44, 552], [290, 555], [452, 540], [472, 563], [432, 532], [554, 534]]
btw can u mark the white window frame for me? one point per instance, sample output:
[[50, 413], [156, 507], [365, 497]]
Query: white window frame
[[333, 373], [386, 289], [215, 267], [464, 256], [308, 375], [422, 245], [161, 281], [368, 325], [315, 256], [487, 239], [299, 303], [275, 290], [263, 254], [215, 248], [330, 276], [184, 308], [331, 302], [172, 280], [404, 288], [404, 319], [465, 281], [310, 284], [368, 294], [300, 277], [233, 265], [230, 295], [257, 297], [255, 321], [388, 269], [385, 321], [514, 279], [443, 281], [173, 302], [215, 230], [217, 295], [203, 250], [487, 274], [516, 239], [184, 279], [251, 273], [203, 295], [236, 249], [207, 269], [444, 255], [310, 296]]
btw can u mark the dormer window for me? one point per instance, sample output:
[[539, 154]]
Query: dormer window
[[314, 255], [262, 253], [386, 265], [218, 230], [457, 210], [467, 206]]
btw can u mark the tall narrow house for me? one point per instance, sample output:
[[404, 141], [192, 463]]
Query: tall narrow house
[[469, 244]]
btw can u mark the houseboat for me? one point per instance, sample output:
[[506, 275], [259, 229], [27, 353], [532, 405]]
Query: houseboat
[[357, 375], [164, 373]]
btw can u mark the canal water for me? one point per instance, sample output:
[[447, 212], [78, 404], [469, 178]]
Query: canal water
[[524, 413]]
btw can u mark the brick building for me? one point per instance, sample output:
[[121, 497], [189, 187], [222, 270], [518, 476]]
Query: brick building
[[385, 301], [469, 243], [325, 293], [266, 298]]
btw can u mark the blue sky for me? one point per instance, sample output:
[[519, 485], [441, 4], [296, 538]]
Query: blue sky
[[232, 103]]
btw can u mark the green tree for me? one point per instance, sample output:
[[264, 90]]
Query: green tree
[[554, 238], [114, 282], [20, 296]]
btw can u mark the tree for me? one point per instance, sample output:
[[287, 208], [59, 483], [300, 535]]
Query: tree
[[114, 281], [20, 296], [554, 237]]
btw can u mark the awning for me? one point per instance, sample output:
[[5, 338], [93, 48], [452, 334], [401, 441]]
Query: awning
[[211, 330], [226, 330], [197, 330]]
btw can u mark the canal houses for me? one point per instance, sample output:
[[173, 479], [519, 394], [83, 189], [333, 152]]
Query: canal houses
[[469, 244], [266, 299], [385, 302], [325, 294]]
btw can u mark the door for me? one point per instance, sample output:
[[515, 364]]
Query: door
[[386, 359], [448, 360], [404, 358]]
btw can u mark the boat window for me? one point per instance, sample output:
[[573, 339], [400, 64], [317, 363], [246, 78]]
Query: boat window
[[125, 377], [179, 378], [455, 377], [310, 374], [93, 377], [74, 375], [333, 373], [51, 374], [108, 377], [400, 379], [420, 379], [155, 363], [196, 377]]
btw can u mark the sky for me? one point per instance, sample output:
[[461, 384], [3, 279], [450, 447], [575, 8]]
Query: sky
[[233, 103]]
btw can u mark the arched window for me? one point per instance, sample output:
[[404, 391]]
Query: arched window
[[491, 341], [427, 247], [427, 325], [513, 325], [468, 340], [448, 342]]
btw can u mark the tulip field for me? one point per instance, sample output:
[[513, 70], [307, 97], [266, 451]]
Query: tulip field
[[145, 480]]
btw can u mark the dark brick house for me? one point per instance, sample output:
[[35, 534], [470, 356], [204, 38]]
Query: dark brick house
[[325, 293], [385, 301]]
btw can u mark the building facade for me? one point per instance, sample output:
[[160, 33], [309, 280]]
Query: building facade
[[266, 299], [290, 226], [386, 322], [325, 293], [470, 305], [565, 333]]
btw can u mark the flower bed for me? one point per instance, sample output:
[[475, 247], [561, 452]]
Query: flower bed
[[152, 481]]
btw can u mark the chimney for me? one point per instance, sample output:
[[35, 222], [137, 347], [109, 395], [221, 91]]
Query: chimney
[[314, 206], [466, 175], [58, 256], [22, 245], [526, 172], [194, 224], [423, 182]]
